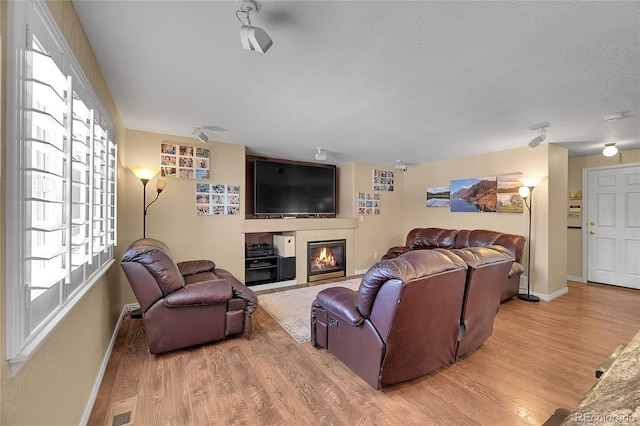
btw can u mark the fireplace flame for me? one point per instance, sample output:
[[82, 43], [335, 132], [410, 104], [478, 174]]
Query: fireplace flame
[[323, 260]]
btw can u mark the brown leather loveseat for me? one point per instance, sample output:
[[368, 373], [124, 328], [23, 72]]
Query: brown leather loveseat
[[413, 314], [431, 238], [187, 303]]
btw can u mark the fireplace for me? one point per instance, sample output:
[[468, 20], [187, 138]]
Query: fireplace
[[326, 259]]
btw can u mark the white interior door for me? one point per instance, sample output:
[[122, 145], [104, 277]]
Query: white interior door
[[613, 225]]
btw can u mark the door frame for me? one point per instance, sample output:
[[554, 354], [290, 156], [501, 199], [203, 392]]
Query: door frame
[[585, 205]]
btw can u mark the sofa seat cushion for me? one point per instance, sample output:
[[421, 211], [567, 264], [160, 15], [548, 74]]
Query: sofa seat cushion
[[213, 292]]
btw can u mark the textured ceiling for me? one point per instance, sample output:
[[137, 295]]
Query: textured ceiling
[[375, 81]]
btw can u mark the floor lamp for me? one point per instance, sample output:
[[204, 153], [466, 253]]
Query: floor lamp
[[526, 191], [145, 175]]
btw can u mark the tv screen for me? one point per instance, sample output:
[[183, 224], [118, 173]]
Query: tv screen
[[293, 189]]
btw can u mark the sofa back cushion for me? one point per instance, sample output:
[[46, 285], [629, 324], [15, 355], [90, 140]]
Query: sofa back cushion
[[488, 269], [482, 238], [156, 258], [418, 315], [410, 266], [431, 238]]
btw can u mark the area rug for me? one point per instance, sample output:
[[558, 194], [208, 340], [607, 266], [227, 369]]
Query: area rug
[[292, 308]]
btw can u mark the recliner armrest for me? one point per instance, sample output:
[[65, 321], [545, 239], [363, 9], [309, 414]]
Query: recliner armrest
[[341, 302], [516, 269], [191, 267], [212, 292]]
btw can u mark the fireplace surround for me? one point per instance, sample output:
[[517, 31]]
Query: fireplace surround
[[326, 259]]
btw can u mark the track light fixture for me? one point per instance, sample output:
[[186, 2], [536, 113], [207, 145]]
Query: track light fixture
[[197, 131], [401, 166], [609, 149], [542, 136], [252, 38], [321, 155]]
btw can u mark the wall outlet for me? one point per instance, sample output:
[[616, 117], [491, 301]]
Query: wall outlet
[[375, 255]]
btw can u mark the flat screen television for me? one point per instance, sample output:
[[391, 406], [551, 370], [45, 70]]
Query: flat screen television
[[293, 189]]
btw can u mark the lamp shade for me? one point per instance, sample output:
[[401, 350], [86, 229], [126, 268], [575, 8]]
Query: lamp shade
[[524, 191], [161, 184], [530, 181], [144, 173]]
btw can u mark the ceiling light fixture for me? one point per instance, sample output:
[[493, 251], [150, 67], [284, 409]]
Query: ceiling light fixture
[[609, 149], [197, 131], [252, 38], [401, 166], [321, 155], [610, 133], [542, 136]]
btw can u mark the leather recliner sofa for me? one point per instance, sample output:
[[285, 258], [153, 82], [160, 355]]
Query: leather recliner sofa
[[411, 314], [187, 303], [431, 238]]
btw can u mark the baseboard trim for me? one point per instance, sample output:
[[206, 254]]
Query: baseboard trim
[[554, 295], [576, 279], [96, 386], [361, 271], [271, 286]]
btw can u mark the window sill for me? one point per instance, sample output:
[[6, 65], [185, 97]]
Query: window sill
[[39, 337]]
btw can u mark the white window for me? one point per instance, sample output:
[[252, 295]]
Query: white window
[[61, 182]]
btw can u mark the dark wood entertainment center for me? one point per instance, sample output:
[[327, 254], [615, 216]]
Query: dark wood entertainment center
[[270, 268]]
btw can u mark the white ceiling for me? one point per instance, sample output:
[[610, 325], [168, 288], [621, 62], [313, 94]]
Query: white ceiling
[[375, 81]]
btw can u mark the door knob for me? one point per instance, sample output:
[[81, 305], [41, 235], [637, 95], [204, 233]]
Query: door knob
[[592, 223], [591, 232]]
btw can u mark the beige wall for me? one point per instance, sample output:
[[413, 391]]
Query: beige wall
[[574, 235], [53, 388], [546, 160], [172, 218], [375, 233]]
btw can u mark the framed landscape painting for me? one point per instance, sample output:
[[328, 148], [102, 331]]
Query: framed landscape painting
[[473, 195], [438, 196], [509, 199]]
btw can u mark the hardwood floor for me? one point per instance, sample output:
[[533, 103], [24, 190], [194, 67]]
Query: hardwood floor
[[541, 356]]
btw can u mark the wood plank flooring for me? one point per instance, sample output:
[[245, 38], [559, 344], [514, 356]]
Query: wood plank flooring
[[541, 356]]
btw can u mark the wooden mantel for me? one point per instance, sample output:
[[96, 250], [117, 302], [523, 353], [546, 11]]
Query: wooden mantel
[[287, 225]]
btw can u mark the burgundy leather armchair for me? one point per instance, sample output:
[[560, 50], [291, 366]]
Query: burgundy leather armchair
[[413, 314], [187, 303], [402, 323]]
